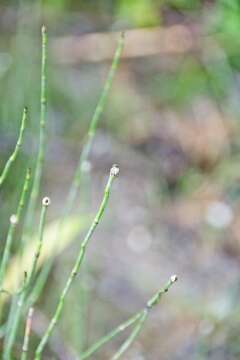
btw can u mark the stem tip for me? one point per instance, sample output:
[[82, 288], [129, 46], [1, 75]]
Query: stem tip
[[44, 30], [114, 170], [46, 201], [173, 278], [13, 219]]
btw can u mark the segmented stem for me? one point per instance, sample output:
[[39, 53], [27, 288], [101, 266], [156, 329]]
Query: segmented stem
[[138, 319], [25, 289], [28, 328], [18, 145], [45, 204], [42, 133], [136, 330], [86, 354], [14, 220], [93, 126], [113, 173]]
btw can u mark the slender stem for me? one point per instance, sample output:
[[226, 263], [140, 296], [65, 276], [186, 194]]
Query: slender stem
[[139, 318], [157, 297], [42, 134], [25, 289], [136, 330], [8, 326], [45, 204], [27, 334], [113, 173], [39, 284], [14, 220], [12, 322], [18, 145], [93, 126], [86, 354]]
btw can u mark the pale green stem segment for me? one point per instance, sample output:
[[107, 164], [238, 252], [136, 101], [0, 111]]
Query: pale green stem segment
[[27, 334], [25, 290], [93, 127], [14, 155], [42, 134], [137, 319], [14, 220], [113, 173]]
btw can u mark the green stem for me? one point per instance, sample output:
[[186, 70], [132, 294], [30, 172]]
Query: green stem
[[132, 336], [27, 334], [14, 220], [39, 284], [45, 204], [113, 173], [139, 318], [86, 354], [14, 155], [22, 298], [42, 134], [93, 127]]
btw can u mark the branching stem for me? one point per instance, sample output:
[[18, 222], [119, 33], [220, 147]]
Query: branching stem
[[138, 319]]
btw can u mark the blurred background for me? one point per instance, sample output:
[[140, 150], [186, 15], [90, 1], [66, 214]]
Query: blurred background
[[172, 125]]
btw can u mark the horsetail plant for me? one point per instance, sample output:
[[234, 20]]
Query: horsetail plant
[[23, 300], [15, 320], [144, 314], [14, 220], [45, 203], [113, 174], [72, 194], [138, 319], [42, 133], [14, 155], [93, 126]]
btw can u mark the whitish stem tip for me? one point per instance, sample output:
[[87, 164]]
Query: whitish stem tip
[[173, 278], [114, 170], [46, 201], [13, 219]]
